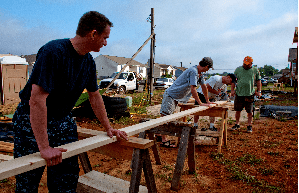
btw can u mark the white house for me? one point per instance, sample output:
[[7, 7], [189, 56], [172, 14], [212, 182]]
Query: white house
[[161, 69], [106, 65]]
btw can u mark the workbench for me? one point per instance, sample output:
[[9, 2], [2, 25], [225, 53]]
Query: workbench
[[218, 111]]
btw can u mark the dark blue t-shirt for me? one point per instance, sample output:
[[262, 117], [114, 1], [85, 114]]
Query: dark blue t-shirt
[[64, 74]]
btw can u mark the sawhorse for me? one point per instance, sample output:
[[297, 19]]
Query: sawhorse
[[186, 132], [93, 181]]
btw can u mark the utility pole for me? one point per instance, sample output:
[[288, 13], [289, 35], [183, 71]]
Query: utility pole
[[151, 77]]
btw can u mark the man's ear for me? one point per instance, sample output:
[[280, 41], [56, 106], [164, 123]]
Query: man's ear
[[92, 34]]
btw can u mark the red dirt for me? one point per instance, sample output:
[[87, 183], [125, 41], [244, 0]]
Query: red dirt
[[263, 161]]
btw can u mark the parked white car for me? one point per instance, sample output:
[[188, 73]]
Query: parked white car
[[163, 83], [271, 80]]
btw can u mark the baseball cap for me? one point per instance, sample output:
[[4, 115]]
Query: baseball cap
[[233, 77], [247, 60], [207, 61]]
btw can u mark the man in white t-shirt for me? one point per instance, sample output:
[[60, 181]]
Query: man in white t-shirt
[[215, 85]]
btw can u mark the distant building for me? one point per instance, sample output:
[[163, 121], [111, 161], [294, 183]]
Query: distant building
[[106, 65], [31, 60], [179, 71]]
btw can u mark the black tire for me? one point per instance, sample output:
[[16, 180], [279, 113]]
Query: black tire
[[118, 106], [116, 110], [120, 115], [113, 100], [113, 105], [122, 90]]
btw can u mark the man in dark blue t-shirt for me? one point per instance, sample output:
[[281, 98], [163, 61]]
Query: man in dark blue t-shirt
[[42, 121]]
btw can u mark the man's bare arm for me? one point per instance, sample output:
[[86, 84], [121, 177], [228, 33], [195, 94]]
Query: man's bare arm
[[99, 110], [38, 120], [205, 92]]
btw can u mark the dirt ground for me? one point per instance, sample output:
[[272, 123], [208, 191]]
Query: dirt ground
[[265, 160]]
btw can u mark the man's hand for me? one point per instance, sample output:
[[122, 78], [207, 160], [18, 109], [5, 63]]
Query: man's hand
[[205, 104], [119, 134], [258, 94], [53, 156], [210, 103]]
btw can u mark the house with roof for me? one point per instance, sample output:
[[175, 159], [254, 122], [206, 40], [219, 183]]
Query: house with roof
[[163, 69], [179, 71], [106, 65]]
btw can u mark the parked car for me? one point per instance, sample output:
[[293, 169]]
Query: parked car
[[273, 80], [163, 83], [264, 82]]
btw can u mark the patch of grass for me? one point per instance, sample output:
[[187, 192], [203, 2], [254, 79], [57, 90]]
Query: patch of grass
[[250, 159], [273, 153], [167, 167], [129, 172], [237, 173], [165, 177], [3, 181], [196, 177], [231, 121], [256, 116], [244, 140], [236, 132], [189, 119], [270, 144], [266, 171], [125, 121]]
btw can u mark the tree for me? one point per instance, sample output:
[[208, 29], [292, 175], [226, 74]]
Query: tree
[[166, 75], [268, 70]]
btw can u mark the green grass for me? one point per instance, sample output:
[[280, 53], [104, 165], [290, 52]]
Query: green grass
[[250, 159], [167, 167], [237, 172], [125, 121], [84, 96], [270, 144], [266, 171]]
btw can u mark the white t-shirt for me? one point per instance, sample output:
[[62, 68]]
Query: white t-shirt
[[216, 83]]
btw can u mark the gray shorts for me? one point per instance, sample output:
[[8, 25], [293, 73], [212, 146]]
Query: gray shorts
[[168, 105]]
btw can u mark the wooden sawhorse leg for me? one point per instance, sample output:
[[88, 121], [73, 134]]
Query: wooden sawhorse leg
[[155, 149], [141, 159], [85, 162], [179, 167], [225, 128]]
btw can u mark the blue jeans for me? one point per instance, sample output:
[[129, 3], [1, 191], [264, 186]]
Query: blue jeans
[[60, 178]]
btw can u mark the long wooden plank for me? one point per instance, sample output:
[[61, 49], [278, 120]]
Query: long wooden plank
[[98, 182], [33, 161]]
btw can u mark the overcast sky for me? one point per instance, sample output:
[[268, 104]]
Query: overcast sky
[[225, 30]]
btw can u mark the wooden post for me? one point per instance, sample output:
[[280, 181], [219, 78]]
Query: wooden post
[[152, 55]]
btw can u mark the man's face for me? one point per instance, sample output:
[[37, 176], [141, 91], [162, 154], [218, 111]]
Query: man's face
[[227, 80], [247, 66], [205, 69], [100, 40]]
